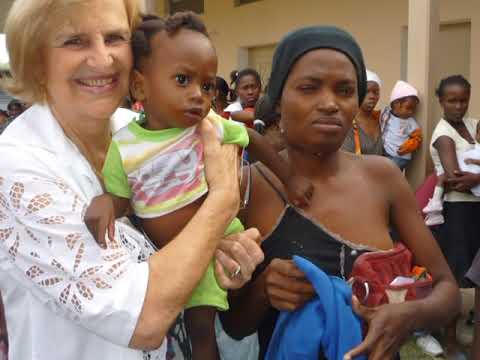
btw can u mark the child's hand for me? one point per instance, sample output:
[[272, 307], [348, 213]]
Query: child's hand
[[472, 162], [299, 191], [402, 150], [99, 217], [412, 143]]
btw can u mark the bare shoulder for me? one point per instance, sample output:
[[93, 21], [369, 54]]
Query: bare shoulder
[[378, 174], [263, 183], [373, 166], [264, 204]]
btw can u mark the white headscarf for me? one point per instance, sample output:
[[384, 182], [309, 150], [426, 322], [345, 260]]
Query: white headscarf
[[371, 76]]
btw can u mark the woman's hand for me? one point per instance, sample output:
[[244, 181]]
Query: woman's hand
[[237, 257], [222, 164], [463, 181], [388, 327], [100, 218], [286, 286]]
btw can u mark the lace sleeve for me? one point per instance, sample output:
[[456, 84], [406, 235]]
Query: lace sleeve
[[45, 246]]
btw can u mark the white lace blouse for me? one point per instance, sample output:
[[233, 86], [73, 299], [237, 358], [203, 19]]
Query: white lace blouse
[[64, 296]]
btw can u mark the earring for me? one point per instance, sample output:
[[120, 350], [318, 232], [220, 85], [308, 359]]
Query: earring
[[142, 117]]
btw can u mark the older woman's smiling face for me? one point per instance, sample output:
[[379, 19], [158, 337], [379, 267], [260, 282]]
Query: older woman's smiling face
[[88, 61]]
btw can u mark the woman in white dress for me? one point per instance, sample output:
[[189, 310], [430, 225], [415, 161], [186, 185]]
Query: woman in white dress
[[64, 296]]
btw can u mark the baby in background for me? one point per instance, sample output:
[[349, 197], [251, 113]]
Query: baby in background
[[401, 134], [468, 161]]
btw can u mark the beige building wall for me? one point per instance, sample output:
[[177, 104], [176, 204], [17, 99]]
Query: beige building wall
[[378, 25], [454, 11], [4, 7], [236, 29]]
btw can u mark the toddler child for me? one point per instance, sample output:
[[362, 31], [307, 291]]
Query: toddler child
[[401, 134], [155, 165]]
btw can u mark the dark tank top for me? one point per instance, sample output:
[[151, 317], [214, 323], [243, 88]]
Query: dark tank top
[[297, 234]]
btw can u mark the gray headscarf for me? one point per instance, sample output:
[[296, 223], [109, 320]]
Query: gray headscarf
[[299, 42]]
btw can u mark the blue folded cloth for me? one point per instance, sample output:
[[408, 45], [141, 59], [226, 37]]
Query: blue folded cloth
[[326, 323]]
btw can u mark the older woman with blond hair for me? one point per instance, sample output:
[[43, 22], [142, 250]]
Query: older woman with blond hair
[[64, 296]]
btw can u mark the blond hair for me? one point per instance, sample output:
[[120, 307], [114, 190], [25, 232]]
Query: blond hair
[[29, 23]]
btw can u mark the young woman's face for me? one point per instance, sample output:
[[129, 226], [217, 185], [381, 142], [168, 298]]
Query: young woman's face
[[455, 102], [248, 91], [372, 97], [319, 101], [87, 66]]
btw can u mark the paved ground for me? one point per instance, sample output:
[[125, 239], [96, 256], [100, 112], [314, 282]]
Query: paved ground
[[411, 352]]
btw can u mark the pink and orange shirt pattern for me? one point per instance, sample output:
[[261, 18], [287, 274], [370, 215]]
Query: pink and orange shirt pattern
[[161, 171]]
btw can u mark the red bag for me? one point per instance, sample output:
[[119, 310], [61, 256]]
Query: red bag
[[373, 272]]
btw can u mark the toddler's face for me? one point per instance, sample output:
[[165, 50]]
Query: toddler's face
[[178, 79], [405, 108]]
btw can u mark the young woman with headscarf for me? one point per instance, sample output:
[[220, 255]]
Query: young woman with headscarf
[[318, 81]]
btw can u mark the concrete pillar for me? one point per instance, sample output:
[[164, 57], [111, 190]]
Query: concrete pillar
[[142, 5], [151, 6], [160, 7], [423, 50], [474, 109], [148, 6]]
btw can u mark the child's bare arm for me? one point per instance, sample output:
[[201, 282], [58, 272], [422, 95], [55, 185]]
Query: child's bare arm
[[441, 180], [101, 215], [299, 189], [245, 116], [472, 162]]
